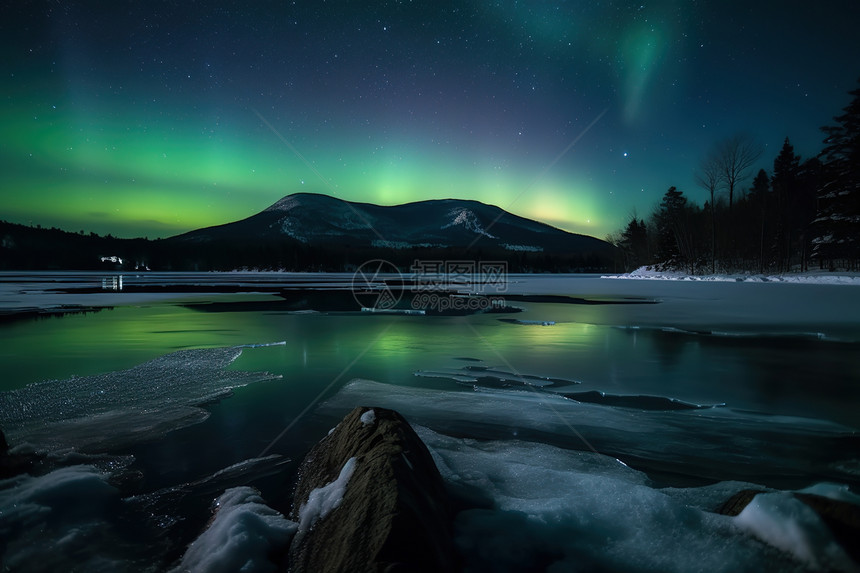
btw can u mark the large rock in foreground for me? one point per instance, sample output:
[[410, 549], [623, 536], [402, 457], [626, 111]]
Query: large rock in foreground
[[370, 498]]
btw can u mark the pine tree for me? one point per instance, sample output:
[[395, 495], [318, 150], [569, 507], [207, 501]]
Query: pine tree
[[633, 243], [810, 180], [674, 243], [759, 197], [837, 222], [785, 185]]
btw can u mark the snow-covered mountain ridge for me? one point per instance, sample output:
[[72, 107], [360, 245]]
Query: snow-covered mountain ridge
[[321, 220]]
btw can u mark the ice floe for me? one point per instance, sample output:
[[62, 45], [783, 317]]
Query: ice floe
[[106, 411]]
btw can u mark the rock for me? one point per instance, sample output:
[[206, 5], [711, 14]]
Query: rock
[[842, 517], [736, 504], [14, 464], [394, 514]]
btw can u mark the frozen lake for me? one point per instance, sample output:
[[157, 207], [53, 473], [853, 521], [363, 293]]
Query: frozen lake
[[699, 388]]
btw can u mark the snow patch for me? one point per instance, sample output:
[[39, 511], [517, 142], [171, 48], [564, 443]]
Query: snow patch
[[385, 244], [522, 248], [286, 204], [323, 500], [368, 418], [241, 536], [290, 227], [468, 220]]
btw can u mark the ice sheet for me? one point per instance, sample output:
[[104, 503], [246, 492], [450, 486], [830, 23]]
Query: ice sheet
[[717, 442], [106, 411]]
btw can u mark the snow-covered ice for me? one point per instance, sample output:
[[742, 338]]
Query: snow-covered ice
[[242, 535], [818, 277]]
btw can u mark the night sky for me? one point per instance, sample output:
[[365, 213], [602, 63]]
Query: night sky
[[153, 118]]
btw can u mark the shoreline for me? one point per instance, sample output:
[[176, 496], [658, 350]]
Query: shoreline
[[808, 277]]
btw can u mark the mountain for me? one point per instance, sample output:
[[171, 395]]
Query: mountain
[[322, 221], [310, 232]]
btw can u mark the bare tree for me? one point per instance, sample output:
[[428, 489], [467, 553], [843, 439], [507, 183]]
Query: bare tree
[[736, 156], [709, 177]]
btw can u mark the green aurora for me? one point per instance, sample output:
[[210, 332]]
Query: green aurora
[[140, 119], [158, 179]]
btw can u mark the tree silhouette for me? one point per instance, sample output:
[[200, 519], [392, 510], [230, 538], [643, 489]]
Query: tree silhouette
[[758, 198], [785, 183], [709, 176], [675, 244], [838, 219], [632, 243], [737, 154]]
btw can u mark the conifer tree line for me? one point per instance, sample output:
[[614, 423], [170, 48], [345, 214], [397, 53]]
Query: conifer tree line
[[802, 214]]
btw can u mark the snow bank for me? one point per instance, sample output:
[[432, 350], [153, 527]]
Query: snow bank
[[645, 273], [244, 532], [51, 520], [787, 523], [325, 499]]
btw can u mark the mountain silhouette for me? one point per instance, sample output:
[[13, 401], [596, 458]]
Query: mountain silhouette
[[317, 220]]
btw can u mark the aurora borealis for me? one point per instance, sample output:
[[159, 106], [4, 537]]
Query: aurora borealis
[[154, 118]]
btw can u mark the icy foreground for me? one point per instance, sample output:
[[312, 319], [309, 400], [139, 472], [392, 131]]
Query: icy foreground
[[686, 382], [561, 510]]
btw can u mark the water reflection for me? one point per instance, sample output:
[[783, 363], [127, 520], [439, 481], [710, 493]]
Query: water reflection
[[780, 375]]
